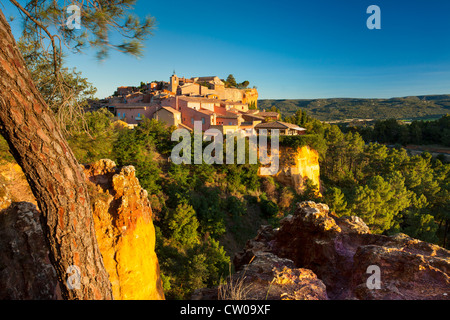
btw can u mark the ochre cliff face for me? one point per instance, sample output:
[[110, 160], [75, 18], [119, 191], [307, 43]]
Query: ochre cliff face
[[297, 165], [250, 96], [125, 231]]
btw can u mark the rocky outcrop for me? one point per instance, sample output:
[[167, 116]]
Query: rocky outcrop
[[13, 185], [341, 250], [268, 277], [250, 97], [25, 268], [125, 231], [298, 165]]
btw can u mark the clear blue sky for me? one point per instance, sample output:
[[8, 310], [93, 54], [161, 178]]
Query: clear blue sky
[[289, 49]]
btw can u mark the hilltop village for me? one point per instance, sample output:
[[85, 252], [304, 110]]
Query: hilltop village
[[181, 102]]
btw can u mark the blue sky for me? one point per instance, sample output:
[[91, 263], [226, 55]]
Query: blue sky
[[288, 49]]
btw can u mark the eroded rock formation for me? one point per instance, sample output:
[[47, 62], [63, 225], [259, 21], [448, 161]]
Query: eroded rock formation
[[268, 277], [340, 250], [298, 165], [25, 268], [124, 230]]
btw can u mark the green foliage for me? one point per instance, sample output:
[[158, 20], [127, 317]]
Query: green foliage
[[5, 155], [207, 206], [269, 208], [186, 270], [241, 177], [66, 95], [183, 225], [138, 148], [336, 201], [98, 23], [344, 108], [235, 206], [378, 183], [243, 85], [391, 191], [96, 143], [230, 82], [299, 118], [310, 191], [380, 200], [417, 132], [418, 223], [40, 66], [218, 261], [45, 39], [252, 105], [314, 141]]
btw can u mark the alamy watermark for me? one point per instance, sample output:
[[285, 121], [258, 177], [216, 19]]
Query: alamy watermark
[[374, 281], [74, 279], [213, 152], [74, 20], [374, 21]]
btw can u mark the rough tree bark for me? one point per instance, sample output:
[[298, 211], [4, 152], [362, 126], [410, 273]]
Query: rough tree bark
[[54, 175]]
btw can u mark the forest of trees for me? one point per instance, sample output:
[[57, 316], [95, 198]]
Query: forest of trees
[[418, 132], [412, 108], [392, 191]]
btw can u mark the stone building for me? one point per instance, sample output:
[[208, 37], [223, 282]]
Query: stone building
[[168, 115]]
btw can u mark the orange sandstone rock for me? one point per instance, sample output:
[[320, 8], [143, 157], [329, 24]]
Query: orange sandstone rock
[[125, 231], [250, 96], [297, 165]]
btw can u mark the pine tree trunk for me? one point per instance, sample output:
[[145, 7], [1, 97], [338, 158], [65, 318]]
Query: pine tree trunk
[[54, 175]]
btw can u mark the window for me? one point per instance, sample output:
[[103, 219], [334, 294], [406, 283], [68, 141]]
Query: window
[[203, 120], [123, 115], [139, 115], [230, 123], [118, 114], [192, 120]]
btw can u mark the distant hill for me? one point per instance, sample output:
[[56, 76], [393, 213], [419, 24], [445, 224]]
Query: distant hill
[[416, 107]]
